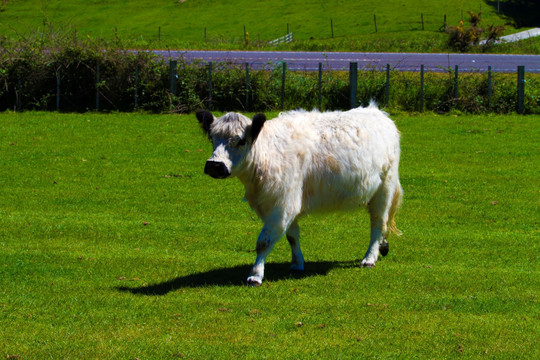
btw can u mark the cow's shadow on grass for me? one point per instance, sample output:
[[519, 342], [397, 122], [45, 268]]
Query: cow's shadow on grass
[[235, 276]]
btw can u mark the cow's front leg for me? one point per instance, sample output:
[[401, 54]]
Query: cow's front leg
[[273, 229], [377, 237], [297, 259]]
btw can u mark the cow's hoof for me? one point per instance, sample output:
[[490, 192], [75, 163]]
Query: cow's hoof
[[297, 269], [384, 248], [254, 281], [367, 264]]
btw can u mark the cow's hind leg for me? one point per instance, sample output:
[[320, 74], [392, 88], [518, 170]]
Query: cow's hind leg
[[382, 208], [297, 259]]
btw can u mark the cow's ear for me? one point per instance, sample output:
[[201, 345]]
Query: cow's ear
[[205, 120], [256, 125]]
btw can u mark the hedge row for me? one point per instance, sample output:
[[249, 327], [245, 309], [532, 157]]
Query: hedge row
[[36, 76]]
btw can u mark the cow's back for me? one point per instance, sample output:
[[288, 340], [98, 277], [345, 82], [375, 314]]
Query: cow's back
[[326, 161]]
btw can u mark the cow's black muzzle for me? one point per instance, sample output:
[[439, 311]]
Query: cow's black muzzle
[[216, 169]]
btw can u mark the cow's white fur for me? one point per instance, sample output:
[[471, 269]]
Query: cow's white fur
[[303, 162]]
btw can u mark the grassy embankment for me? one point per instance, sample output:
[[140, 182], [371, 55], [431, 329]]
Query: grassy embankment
[[174, 24]]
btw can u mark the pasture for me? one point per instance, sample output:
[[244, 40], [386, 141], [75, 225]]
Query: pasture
[[330, 25], [114, 244]]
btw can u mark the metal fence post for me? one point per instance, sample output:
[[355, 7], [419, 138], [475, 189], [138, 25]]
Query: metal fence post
[[353, 84], [456, 85], [521, 90], [58, 89], [97, 86], [247, 86], [283, 84], [490, 89], [320, 86], [173, 76], [387, 95], [210, 85], [422, 88], [136, 91]]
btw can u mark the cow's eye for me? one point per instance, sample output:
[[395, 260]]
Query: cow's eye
[[237, 141]]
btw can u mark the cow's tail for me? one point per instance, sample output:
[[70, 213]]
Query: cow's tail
[[396, 202]]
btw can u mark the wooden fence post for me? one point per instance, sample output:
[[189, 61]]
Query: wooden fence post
[[332, 27], [375, 21], [353, 84], [444, 23], [521, 90], [422, 19]]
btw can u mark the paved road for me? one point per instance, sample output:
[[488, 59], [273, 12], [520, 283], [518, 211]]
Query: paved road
[[309, 61], [517, 36]]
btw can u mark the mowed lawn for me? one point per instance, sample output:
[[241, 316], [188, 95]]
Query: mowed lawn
[[115, 245]]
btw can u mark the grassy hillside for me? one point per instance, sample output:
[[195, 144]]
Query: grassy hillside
[[183, 24]]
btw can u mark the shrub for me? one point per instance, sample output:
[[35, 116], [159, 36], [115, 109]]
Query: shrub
[[462, 38]]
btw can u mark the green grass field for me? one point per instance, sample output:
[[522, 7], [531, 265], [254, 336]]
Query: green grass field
[[139, 23], [115, 245]]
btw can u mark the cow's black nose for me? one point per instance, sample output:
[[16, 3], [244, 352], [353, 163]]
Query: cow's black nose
[[216, 169]]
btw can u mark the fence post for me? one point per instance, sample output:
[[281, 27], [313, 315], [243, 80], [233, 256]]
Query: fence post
[[18, 90], [490, 89], [247, 86], [387, 95], [173, 76], [353, 83], [58, 89], [422, 88], [456, 72], [375, 21], [210, 85], [283, 85], [136, 91], [332, 27], [320, 86], [444, 23], [521, 90], [97, 86], [422, 18]]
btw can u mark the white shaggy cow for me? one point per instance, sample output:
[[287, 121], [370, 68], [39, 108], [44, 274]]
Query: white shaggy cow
[[302, 162]]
